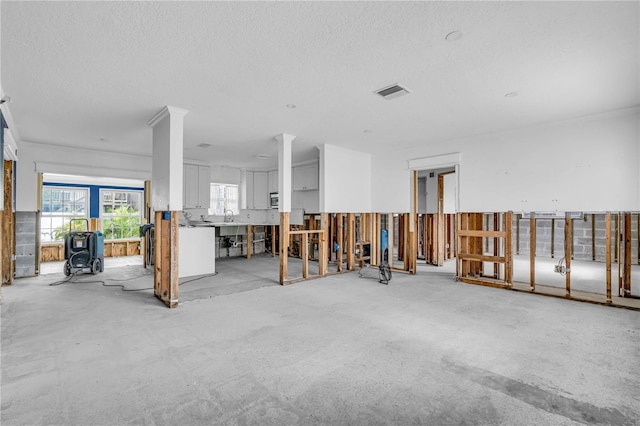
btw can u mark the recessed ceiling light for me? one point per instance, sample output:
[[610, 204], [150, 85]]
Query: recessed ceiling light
[[292, 106], [204, 145], [453, 36], [262, 156], [511, 95]]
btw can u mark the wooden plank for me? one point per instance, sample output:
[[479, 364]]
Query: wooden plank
[[375, 240], [593, 237], [323, 245], [482, 233], [626, 279], [339, 240], [391, 236], [482, 258], [440, 223], [351, 241], [7, 230], [400, 237], [568, 241], [508, 248], [284, 245], [607, 234], [553, 238], [487, 282], [304, 251], [496, 244], [518, 217], [406, 242], [174, 282], [249, 241], [157, 259], [532, 252]]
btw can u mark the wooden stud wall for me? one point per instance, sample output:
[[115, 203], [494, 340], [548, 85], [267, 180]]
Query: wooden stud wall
[[7, 228], [470, 253], [166, 258]]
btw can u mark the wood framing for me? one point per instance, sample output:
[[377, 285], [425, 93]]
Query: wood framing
[[273, 240], [568, 242], [532, 252], [626, 274], [351, 241], [391, 237], [7, 229], [284, 246], [249, 240], [339, 240], [166, 257], [440, 222], [607, 231], [471, 254], [323, 246]]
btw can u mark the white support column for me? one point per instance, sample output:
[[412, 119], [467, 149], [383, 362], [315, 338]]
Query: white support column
[[166, 172], [166, 200], [284, 171]]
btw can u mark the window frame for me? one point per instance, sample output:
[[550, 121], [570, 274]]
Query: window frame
[[212, 210], [104, 216], [47, 214]]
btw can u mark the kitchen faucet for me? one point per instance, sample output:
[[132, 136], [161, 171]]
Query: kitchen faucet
[[229, 217]]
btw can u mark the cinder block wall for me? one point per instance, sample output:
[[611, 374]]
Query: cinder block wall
[[582, 237], [26, 243]]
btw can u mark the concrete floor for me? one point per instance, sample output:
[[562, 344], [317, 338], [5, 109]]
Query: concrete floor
[[241, 349]]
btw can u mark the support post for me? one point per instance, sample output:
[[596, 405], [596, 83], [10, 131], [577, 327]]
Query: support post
[[273, 240], [249, 240], [607, 231], [440, 230], [532, 251], [391, 246], [568, 243], [339, 240], [626, 276], [351, 241], [323, 246], [284, 245], [166, 257], [304, 252], [8, 246], [508, 249]]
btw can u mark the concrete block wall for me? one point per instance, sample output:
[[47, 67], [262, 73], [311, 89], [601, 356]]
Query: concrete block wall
[[26, 244], [582, 237]]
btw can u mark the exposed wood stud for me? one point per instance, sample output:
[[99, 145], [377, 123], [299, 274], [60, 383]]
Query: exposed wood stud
[[7, 230], [391, 236], [518, 217], [284, 245], [249, 241], [626, 279], [339, 240], [568, 242], [593, 237], [304, 252], [607, 231], [166, 258], [351, 240], [440, 230], [323, 246], [553, 238], [532, 251]]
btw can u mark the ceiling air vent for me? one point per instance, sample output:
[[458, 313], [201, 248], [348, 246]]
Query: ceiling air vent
[[393, 91]]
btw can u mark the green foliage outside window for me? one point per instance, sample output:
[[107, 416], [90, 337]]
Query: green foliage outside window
[[122, 222]]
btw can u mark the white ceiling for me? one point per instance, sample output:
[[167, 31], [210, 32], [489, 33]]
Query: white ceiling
[[79, 72]]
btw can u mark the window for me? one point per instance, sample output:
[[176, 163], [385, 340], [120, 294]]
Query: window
[[121, 213], [224, 197], [59, 206]]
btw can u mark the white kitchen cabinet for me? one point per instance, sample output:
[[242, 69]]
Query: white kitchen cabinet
[[249, 190], [260, 190], [197, 186], [273, 181], [305, 178]]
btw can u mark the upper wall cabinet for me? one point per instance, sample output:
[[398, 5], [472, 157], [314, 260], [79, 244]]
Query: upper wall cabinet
[[305, 178], [273, 181], [260, 190], [197, 186]]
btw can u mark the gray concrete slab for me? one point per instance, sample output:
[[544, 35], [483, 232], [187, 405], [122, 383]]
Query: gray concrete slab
[[338, 350]]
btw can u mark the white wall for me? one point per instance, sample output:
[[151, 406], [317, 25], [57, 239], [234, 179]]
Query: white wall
[[586, 164], [35, 157], [225, 174], [345, 180]]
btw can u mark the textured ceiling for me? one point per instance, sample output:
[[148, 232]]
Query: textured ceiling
[[79, 72]]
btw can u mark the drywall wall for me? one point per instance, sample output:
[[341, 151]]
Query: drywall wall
[[225, 174], [36, 157], [584, 164], [345, 180]]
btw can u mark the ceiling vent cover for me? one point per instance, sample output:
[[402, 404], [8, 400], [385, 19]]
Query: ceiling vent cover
[[393, 91]]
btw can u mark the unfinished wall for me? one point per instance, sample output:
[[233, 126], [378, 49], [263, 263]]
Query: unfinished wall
[[345, 180], [582, 238], [585, 164], [26, 237]]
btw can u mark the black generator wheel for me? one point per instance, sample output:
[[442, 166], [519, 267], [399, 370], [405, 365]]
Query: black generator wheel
[[96, 267], [67, 268]]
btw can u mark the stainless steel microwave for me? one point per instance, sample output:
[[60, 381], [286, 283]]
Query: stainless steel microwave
[[273, 200]]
